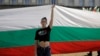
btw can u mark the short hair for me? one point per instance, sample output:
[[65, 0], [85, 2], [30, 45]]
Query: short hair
[[44, 18]]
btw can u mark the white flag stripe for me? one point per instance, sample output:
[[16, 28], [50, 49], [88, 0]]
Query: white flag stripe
[[29, 17]]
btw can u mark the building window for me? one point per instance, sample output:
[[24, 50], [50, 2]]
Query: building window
[[54, 1], [71, 2], [91, 3], [81, 2], [14, 2], [40, 2], [26, 2], [1, 1]]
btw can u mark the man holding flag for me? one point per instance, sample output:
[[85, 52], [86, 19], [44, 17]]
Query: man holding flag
[[42, 38]]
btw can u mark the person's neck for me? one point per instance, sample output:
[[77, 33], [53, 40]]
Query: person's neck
[[43, 26]]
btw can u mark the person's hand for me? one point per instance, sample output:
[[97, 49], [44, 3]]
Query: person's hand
[[53, 6], [35, 55]]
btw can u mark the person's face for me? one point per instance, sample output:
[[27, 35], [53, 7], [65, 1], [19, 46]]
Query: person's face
[[43, 22]]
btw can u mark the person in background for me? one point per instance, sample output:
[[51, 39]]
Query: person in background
[[90, 53]]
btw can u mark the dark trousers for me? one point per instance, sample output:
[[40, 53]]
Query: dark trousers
[[43, 51], [98, 53]]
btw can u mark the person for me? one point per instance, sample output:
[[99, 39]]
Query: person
[[90, 53], [42, 37], [98, 53]]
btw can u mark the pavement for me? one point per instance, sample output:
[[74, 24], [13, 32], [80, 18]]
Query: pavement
[[94, 53]]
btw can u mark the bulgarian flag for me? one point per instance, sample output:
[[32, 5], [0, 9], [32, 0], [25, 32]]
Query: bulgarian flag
[[73, 30]]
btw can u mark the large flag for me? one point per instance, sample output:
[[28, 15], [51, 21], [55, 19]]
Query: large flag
[[73, 30]]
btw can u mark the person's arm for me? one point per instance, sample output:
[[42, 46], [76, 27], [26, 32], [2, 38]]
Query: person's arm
[[36, 43], [52, 16]]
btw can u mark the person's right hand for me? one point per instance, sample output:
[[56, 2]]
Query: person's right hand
[[53, 6], [35, 55]]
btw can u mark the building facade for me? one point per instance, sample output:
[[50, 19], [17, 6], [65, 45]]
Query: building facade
[[79, 3]]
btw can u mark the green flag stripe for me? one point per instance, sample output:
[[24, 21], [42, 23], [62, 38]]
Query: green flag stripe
[[58, 34]]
